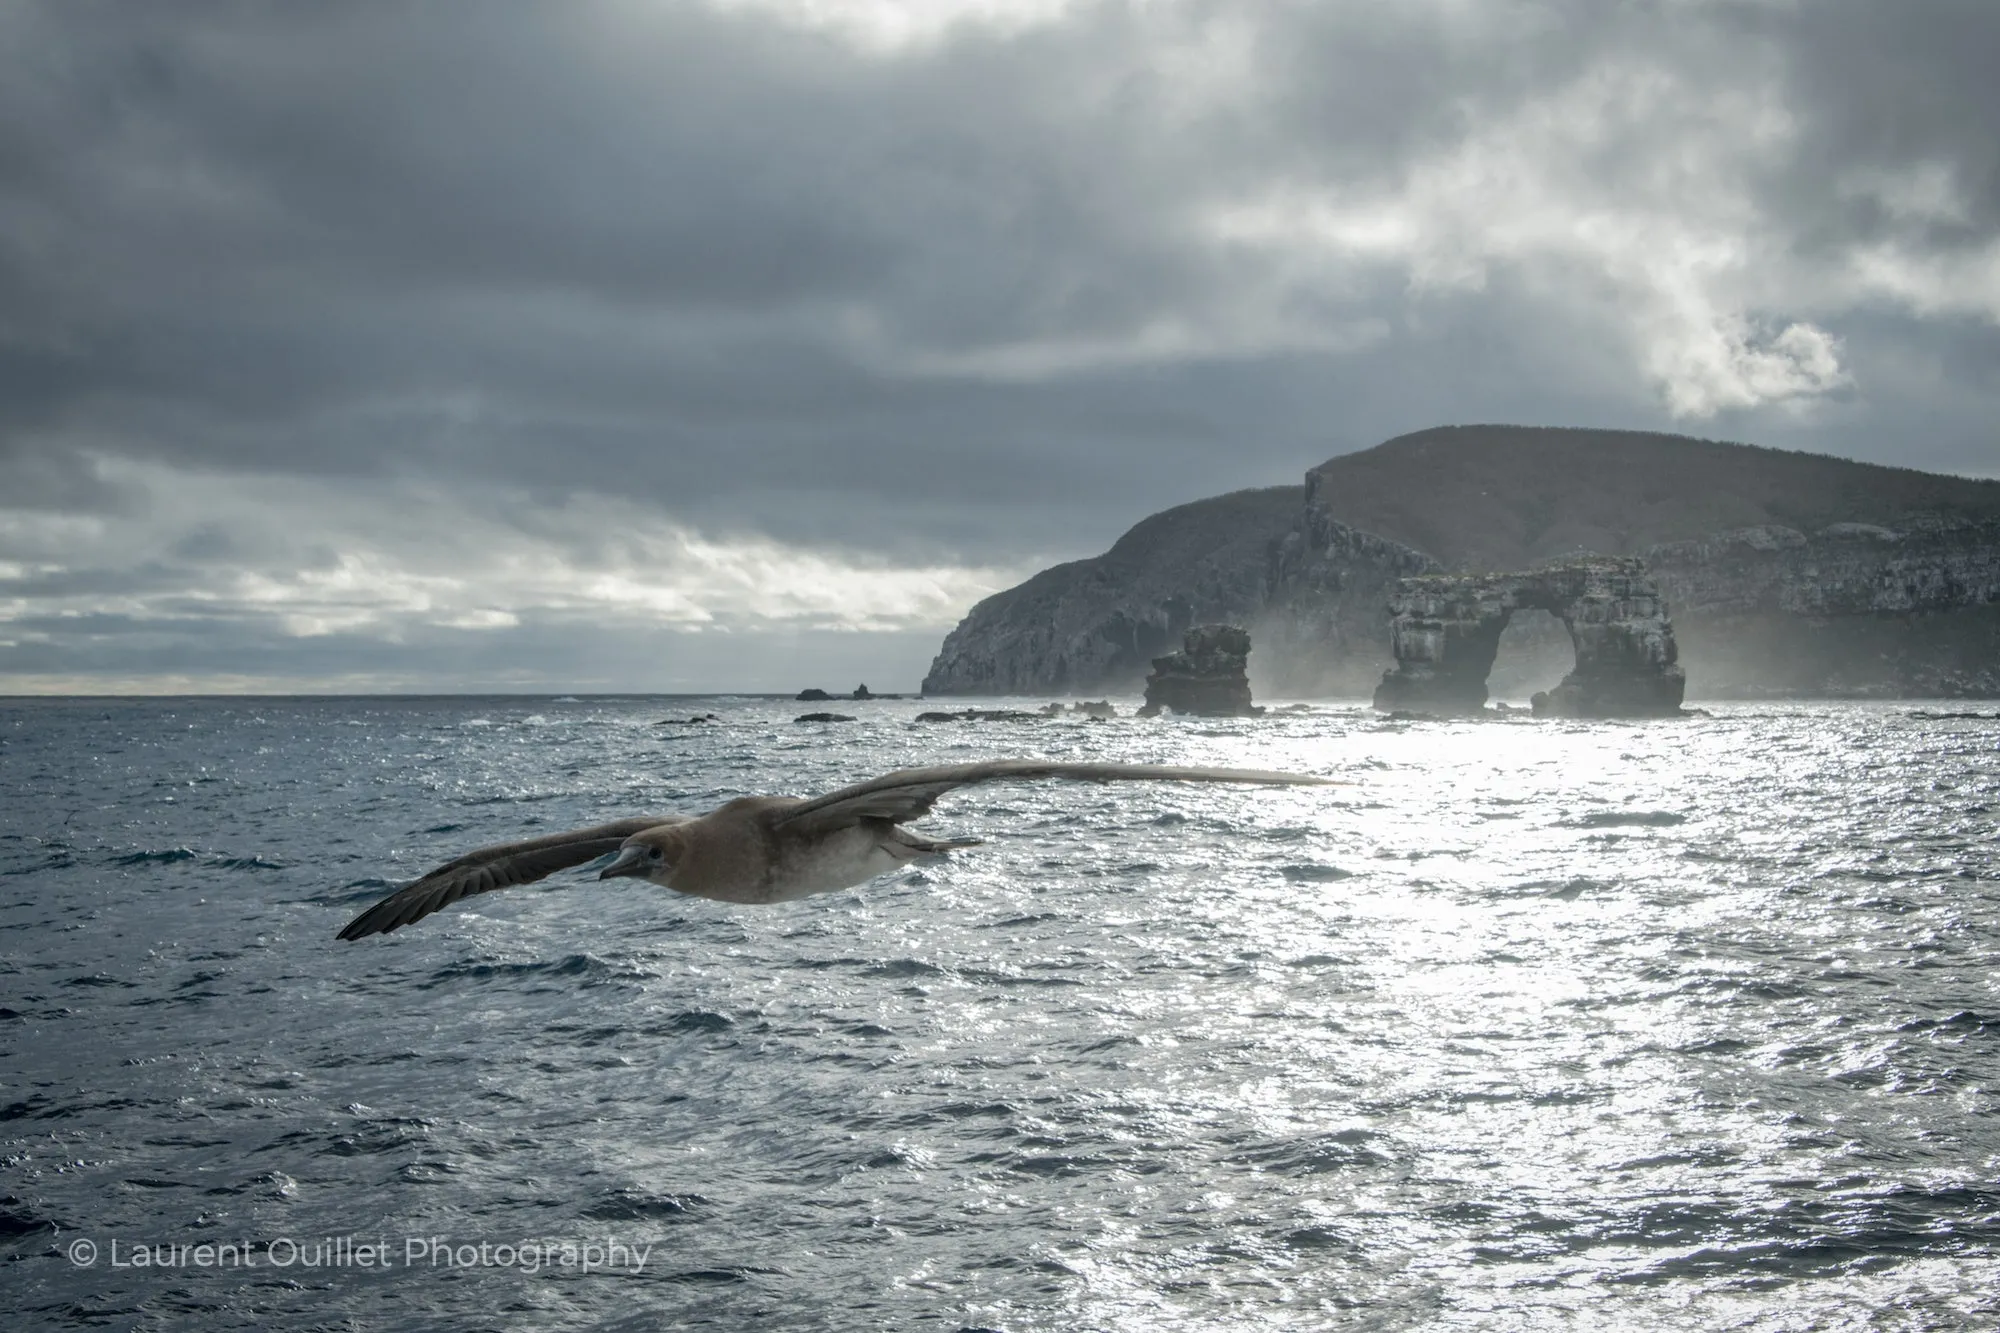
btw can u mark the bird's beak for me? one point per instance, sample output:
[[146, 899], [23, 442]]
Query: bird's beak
[[630, 861]]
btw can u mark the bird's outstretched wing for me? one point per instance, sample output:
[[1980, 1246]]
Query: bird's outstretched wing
[[910, 793], [498, 867]]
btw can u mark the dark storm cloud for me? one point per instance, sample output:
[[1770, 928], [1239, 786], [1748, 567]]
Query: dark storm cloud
[[976, 299], [1890, 86], [616, 237]]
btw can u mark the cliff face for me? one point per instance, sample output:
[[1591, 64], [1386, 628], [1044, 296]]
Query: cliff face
[[1323, 626], [1784, 573], [1845, 569], [1095, 625], [1853, 609]]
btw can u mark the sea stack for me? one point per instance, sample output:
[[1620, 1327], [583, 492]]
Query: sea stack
[[1208, 677]]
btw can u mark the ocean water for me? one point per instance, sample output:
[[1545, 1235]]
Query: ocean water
[[1686, 1024]]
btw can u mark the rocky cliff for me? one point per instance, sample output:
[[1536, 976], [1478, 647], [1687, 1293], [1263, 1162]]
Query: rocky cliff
[[1853, 609], [1785, 573], [1096, 624], [1323, 626]]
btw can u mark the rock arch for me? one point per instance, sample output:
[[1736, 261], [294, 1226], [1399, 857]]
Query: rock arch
[[1446, 632]]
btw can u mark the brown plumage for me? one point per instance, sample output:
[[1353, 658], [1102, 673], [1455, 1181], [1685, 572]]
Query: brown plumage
[[761, 849]]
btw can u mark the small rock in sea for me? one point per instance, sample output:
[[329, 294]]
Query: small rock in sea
[[982, 715], [822, 717], [812, 696], [696, 720], [1097, 709]]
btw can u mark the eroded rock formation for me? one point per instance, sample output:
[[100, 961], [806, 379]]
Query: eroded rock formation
[[1208, 677], [1445, 630]]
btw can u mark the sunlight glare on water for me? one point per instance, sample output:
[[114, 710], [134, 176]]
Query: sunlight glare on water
[[1689, 1024]]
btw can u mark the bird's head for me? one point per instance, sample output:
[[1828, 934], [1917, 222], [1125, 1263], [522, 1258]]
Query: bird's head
[[648, 855]]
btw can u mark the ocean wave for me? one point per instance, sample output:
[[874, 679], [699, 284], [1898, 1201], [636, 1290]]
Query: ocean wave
[[163, 856], [1314, 873], [252, 862], [630, 1205], [591, 969], [1620, 818]]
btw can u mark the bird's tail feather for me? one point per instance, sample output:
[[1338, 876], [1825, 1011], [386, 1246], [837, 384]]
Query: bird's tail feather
[[909, 845]]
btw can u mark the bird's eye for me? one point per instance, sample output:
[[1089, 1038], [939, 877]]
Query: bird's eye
[[656, 855]]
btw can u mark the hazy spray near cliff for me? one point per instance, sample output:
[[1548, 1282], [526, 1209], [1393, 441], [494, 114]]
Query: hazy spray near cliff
[[624, 344]]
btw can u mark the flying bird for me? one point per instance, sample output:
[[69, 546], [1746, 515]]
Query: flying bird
[[762, 849]]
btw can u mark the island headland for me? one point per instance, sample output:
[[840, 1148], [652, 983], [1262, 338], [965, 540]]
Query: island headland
[[1783, 573]]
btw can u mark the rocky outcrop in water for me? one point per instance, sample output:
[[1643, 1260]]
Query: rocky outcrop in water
[[982, 715], [1100, 710], [1208, 677], [862, 693], [1446, 632]]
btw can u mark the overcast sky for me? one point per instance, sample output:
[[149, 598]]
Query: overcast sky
[[744, 344]]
